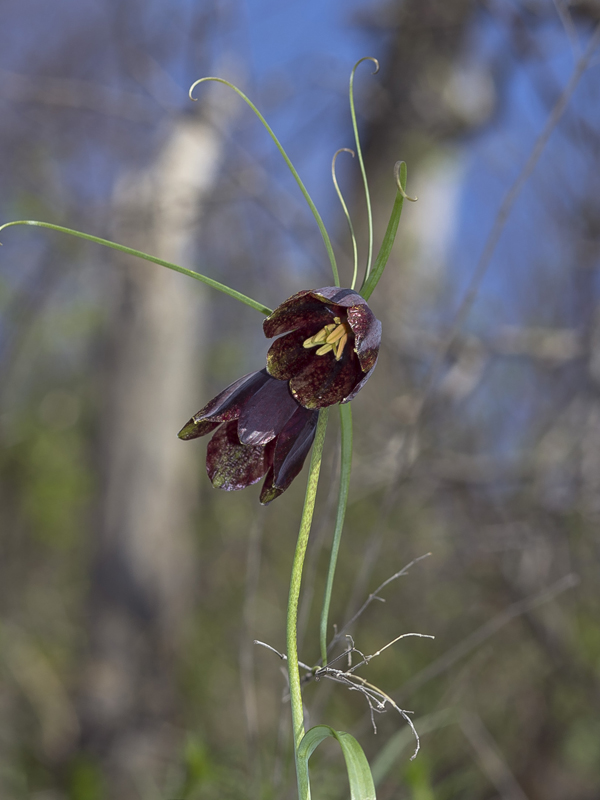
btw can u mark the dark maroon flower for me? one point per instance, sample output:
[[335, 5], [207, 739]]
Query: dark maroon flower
[[263, 431], [330, 348]]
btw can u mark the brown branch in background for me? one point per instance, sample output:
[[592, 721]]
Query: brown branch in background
[[373, 596], [490, 757]]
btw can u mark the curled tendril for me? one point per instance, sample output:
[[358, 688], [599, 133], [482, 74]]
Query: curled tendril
[[397, 167], [367, 58], [345, 208], [360, 158]]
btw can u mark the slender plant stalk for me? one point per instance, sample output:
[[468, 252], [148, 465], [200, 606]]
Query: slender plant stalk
[[292, 614], [130, 251], [346, 467]]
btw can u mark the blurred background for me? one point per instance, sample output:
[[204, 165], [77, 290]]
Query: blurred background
[[130, 590]]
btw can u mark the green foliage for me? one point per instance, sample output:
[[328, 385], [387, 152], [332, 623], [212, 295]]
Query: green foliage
[[357, 766], [199, 771], [417, 776], [58, 486], [85, 781]]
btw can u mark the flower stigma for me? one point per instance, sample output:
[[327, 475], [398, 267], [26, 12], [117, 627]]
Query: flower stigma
[[331, 338]]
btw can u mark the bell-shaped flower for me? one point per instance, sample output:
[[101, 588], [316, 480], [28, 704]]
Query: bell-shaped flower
[[330, 346], [262, 431]]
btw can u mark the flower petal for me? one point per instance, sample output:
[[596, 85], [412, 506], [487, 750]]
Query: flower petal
[[359, 385], [302, 310], [326, 381], [287, 356], [268, 493], [292, 447], [299, 311], [364, 324], [232, 465], [195, 428], [339, 297], [265, 413], [293, 444], [367, 335], [225, 406]]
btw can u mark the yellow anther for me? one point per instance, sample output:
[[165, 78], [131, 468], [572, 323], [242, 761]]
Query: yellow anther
[[319, 337], [340, 346], [336, 334], [331, 338], [325, 349]]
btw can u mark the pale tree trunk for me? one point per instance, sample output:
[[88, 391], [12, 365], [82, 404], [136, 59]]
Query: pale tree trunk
[[144, 557]]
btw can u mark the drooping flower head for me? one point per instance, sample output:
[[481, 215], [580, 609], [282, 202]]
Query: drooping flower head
[[262, 431], [330, 346], [267, 420]]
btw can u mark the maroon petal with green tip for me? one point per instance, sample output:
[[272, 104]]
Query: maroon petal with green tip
[[225, 406], [266, 413], [292, 446], [232, 465]]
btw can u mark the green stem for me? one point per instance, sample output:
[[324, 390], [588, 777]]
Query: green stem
[[346, 467], [292, 613], [130, 251]]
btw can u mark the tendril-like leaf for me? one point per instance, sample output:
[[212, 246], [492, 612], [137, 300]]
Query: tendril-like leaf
[[221, 287], [360, 158], [397, 170], [286, 158], [346, 212]]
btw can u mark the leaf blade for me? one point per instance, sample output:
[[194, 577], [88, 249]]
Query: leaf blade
[[357, 766]]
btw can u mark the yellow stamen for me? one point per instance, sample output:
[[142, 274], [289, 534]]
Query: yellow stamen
[[336, 334], [319, 337], [331, 338], [325, 349], [340, 346]]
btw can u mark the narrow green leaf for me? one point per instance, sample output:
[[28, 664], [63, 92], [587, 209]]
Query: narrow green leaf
[[294, 597], [372, 280], [346, 468], [130, 251], [357, 766]]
